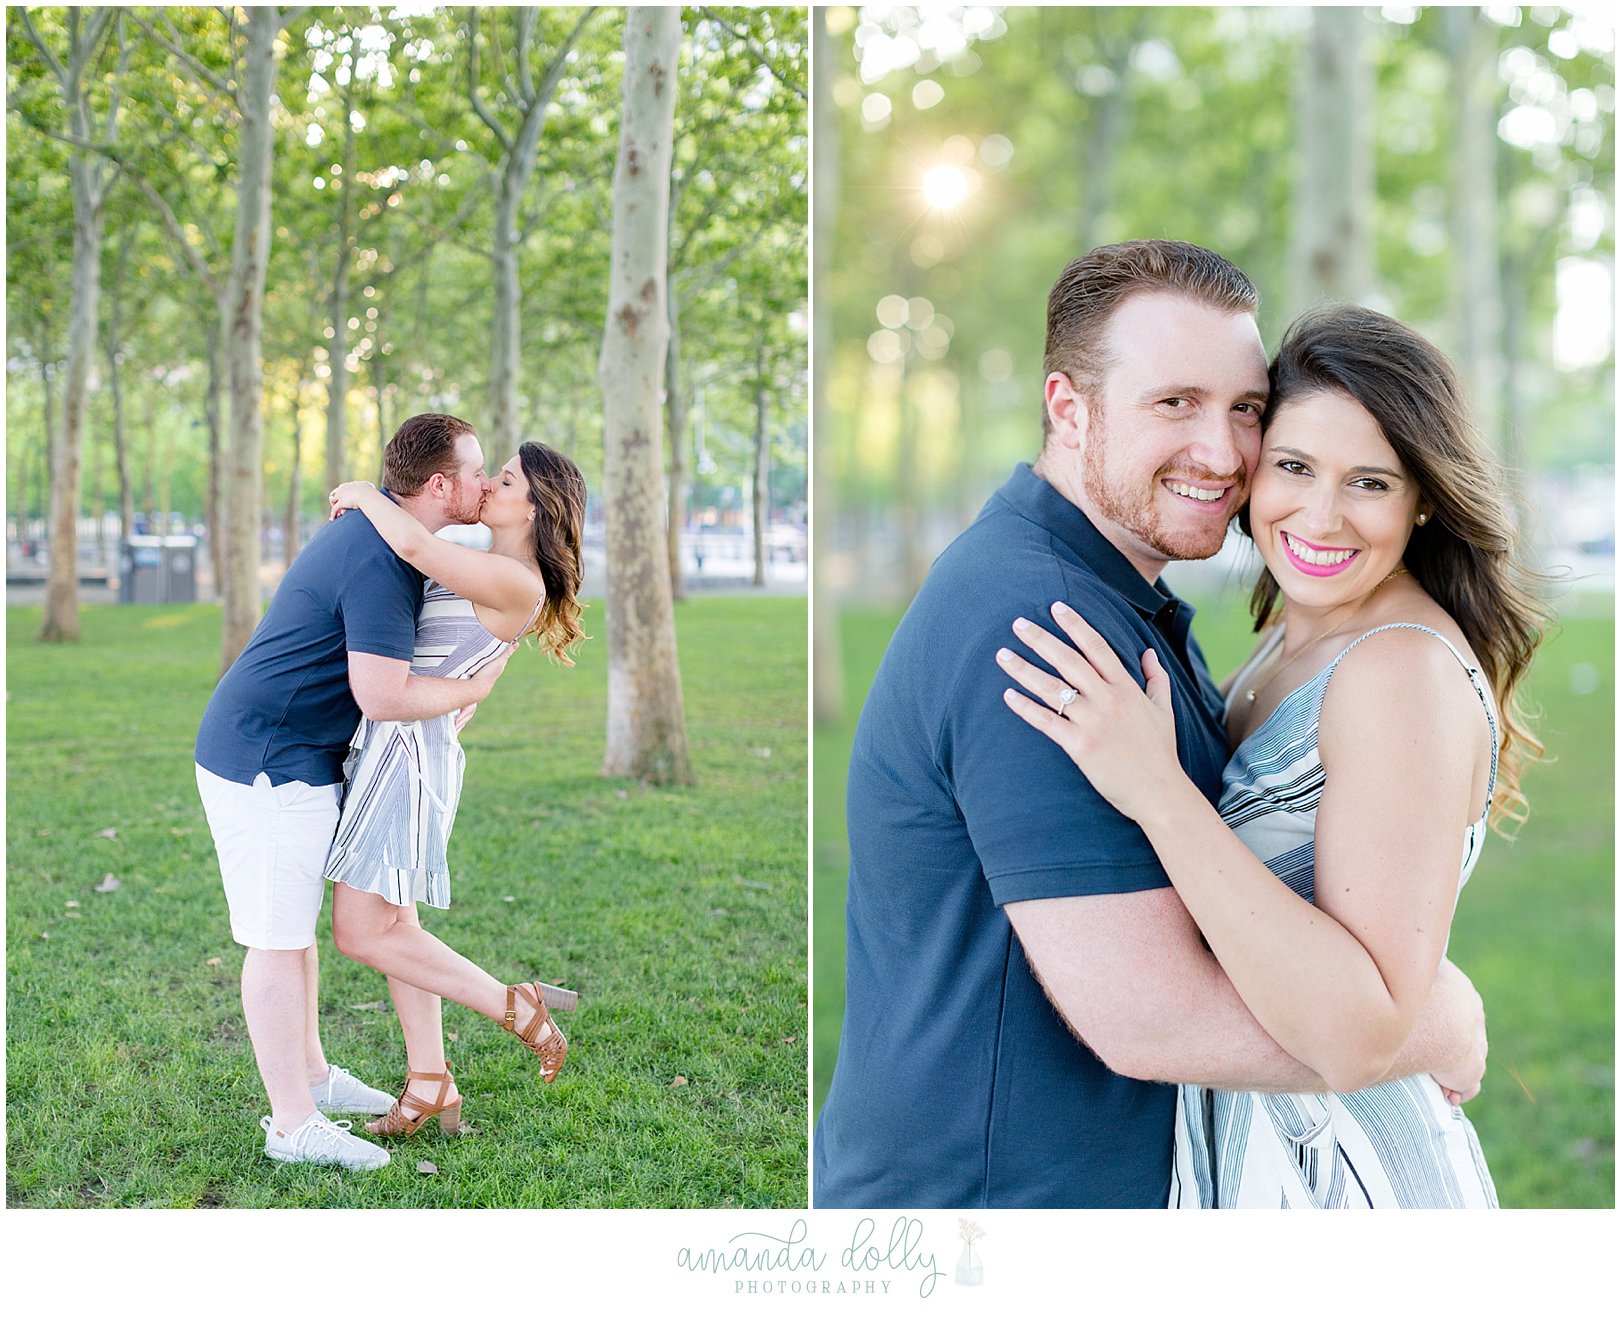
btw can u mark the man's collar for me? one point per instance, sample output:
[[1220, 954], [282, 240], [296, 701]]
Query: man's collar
[[1043, 504]]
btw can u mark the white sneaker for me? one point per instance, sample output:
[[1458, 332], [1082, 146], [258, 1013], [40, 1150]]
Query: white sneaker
[[321, 1140], [342, 1093]]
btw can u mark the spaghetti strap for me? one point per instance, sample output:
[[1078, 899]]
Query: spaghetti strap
[[533, 615]]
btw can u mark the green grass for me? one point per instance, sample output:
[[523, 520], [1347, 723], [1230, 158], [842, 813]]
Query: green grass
[[678, 914], [1535, 928]]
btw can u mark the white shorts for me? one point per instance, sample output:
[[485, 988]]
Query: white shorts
[[272, 844]]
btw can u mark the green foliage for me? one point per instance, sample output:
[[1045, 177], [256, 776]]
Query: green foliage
[[421, 288], [1081, 125], [1535, 926], [679, 915]]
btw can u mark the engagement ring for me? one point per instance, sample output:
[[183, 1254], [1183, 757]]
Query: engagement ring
[[1066, 697]]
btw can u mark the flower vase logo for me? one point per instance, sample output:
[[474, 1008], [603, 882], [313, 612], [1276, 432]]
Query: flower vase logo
[[970, 1271]]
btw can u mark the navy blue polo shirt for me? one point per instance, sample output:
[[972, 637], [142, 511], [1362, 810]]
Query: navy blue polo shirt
[[957, 1082], [284, 708]]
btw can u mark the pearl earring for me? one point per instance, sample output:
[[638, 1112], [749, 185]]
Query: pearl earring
[[1423, 518]]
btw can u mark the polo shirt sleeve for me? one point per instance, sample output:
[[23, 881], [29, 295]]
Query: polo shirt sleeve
[[378, 599], [1039, 827]]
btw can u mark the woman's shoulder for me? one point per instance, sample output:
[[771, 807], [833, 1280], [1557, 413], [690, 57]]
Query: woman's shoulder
[[1413, 630], [1401, 675]]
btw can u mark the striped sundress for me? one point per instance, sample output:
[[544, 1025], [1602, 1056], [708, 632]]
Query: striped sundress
[[402, 781], [1400, 1144]]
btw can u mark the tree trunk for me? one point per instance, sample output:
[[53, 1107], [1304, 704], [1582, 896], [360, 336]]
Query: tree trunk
[[1477, 293], [338, 306], [289, 529], [379, 384], [909, 501], [647, 735], [511, 179], [47, 380], [1331, 255], [250, 251], [126, 493], [762, 462], [214, 512], [149, 471], [504, 363], [676, 403], [827, 695], [1516, 350], [1107, 121], [61, 622]]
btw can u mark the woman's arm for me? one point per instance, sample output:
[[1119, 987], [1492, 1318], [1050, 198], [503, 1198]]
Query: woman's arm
[[1340, 984], [490, 580]]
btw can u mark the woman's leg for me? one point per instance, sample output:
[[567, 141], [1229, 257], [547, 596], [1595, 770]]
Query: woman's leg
[[371, 929], [421, 969], [421, 1020], [314, 1055]]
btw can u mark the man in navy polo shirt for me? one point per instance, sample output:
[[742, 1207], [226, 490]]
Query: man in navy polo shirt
[[336, 640], [998, 907]]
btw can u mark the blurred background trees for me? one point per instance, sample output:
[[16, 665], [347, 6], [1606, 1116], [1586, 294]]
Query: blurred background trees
[[1451, 166]]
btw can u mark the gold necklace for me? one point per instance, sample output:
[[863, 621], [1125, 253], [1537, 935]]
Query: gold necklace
[[1250, 693]]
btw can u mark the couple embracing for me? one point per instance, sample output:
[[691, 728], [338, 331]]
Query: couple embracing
[[328, 753], [1117, 937]]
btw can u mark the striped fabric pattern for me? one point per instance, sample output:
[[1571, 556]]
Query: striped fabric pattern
[[1400, 1144], [403, 780]]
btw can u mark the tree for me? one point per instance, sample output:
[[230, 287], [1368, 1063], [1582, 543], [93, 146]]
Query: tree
[[509, 176], [730, 197], [827, 696], [647, 734], [243, 329], [1471, 42], [90, 32], [1331, 255]]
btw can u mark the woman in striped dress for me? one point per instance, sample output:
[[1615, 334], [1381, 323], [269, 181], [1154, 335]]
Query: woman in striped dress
[[1376, 734], [403, 780]]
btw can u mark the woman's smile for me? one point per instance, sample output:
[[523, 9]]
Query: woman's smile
[[1315, 560]]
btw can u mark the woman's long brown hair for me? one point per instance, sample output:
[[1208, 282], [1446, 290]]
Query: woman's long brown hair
[[557, 490], [1465, 555]]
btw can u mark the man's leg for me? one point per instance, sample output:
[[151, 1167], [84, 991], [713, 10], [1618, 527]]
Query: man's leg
[[275, 998]]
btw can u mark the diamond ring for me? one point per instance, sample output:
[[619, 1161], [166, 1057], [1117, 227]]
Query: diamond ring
[[1066, 698]]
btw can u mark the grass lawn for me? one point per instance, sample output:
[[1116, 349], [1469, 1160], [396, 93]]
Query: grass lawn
[[679, 915], [1535, 928]]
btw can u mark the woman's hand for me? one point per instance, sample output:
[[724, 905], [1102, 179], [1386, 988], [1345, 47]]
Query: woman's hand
[[348, 496], [1122, 739]]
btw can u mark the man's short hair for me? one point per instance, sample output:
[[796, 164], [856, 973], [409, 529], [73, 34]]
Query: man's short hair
[[424, 444], [1093, 286]]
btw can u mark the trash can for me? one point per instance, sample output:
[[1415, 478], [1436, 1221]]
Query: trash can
[[157, 570]]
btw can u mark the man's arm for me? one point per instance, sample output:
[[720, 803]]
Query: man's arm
[[387, 689], [1132, 979]]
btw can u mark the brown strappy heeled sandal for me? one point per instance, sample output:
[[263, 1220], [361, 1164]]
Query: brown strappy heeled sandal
[[411, 1111], [549, 1049]]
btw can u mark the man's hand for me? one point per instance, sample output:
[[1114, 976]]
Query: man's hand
[[481, 683], [462, 716], [1460, 1079]]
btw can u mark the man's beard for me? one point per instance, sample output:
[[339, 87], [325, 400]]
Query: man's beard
[[1136, 512], [463, 507]]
